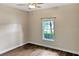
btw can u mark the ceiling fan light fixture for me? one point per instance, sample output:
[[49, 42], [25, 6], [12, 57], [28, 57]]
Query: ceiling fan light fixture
[[32, 6]]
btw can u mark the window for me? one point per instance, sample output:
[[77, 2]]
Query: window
[[48, 29]]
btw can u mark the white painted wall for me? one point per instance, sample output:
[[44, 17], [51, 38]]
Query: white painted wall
[[66, 27], [13, 28], [10, 37]]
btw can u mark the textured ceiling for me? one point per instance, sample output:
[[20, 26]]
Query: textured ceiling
[[24, 7]]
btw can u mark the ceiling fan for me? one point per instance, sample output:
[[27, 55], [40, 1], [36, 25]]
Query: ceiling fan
[[31, 5], [34, 5]]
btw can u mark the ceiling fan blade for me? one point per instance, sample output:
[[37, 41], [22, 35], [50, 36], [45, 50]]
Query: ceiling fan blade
[[21, 4], [40, 3], [38, 6]]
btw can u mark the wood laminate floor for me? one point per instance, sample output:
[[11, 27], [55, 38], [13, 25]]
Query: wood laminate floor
[[33, 50]]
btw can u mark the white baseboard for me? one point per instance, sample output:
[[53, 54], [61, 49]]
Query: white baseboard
[[12, 48], [55, 48], [40, 45]]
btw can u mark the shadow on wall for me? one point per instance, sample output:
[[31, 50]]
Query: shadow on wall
[[10, 36]]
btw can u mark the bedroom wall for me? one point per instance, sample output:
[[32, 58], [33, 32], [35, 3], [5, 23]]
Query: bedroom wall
[[19, 27], [66, 27], [13, 28]]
